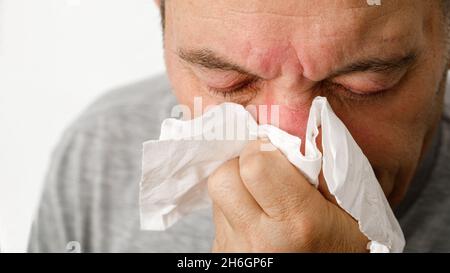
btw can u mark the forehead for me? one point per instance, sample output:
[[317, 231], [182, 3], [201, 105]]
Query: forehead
[[318, 17], [316, 29]]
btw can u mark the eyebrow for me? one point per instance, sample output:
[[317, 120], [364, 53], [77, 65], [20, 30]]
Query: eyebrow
[[206, 58], [379, 65]]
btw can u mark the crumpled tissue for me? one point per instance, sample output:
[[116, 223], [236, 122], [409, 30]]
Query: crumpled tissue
[[176, 167]]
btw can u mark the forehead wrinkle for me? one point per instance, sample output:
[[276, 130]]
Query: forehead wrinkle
[[266, 28], [293, 8], [264, 23], [297, 10], [270, 24]]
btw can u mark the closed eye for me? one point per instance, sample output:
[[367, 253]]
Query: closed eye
[[339, 90], [237, 88], [241, 93]]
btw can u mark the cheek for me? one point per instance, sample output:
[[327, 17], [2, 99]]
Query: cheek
[[381, 142], [391, 136]]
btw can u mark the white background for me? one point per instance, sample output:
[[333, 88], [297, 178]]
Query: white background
[[56, 56]]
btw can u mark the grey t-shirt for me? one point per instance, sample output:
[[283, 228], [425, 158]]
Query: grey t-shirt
[[92, 187]]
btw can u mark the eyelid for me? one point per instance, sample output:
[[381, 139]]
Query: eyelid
[[338, 90], [369, 83], [235, 87], [239, 94], [221, 79], [237, 83]]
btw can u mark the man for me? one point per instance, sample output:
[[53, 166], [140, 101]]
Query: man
[[383, 68]]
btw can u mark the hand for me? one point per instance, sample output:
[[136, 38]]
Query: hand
[[262, 203]]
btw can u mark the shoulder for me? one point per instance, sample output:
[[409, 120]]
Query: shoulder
[[103, 147], [95, 171], [107, 137], [115, 126], [154, 91], [138, 106]]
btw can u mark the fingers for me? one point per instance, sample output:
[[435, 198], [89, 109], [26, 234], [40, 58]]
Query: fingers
[[231, 197], [275, 184]]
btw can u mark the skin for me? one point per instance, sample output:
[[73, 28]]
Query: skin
[[381, 68]]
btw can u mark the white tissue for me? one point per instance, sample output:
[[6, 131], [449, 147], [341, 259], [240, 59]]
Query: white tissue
[[175, 169]]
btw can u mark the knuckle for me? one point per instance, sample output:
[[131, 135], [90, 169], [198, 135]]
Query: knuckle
[[252, 146], [254, 165], [283, 214]]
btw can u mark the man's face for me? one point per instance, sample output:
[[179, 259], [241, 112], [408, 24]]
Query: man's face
[[381, 67]]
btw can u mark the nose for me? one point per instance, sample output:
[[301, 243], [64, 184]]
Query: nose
[[285, 103], [288, 90]]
